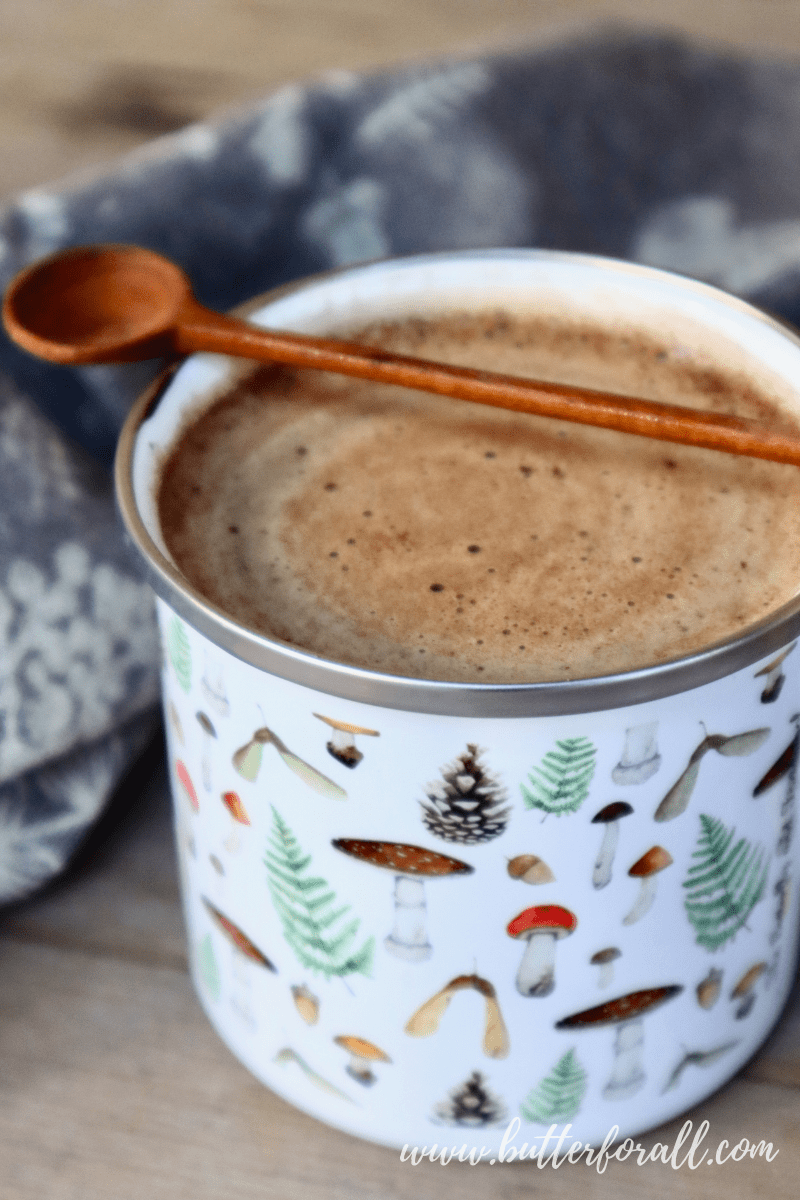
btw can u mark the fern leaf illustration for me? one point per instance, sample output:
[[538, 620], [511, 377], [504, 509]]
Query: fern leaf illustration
[[180, 654], [558, 1096], [560, 784], [724, 884], [314, 925]]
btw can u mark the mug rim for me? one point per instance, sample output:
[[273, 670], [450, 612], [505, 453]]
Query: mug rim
[[552, 698]]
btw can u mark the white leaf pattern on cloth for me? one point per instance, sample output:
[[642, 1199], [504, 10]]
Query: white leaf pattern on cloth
[[72, 648]]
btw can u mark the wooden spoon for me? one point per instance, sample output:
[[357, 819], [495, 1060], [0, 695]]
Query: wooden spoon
[[116, 303]]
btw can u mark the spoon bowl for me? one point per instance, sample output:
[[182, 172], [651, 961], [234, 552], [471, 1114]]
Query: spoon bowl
[[97, 304]]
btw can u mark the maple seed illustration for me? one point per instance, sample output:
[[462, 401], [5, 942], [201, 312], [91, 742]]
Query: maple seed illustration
[[425, 1021]]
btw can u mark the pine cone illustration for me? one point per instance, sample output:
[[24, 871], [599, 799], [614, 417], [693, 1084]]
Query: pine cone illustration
[[471, 1104], [465, 805]]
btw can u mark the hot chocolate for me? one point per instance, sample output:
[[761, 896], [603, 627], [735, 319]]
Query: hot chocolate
[[432, 538]]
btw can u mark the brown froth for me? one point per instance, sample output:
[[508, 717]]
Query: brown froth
[[427, 537]]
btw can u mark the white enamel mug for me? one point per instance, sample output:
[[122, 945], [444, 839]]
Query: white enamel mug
[[421, 910]]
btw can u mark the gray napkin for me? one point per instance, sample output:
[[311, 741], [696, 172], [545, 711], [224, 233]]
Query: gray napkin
[[641, 147]]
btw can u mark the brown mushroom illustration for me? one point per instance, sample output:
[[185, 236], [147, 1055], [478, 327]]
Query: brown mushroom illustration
[[540, 928], [775, 677], [609, 817], [362, 1053], [342, 745], [239, 816], [411, 865], [745, 989], [306, 1003], [425, 1021], [646, 868], [627, 1013], [529, 868], [239, 940], [247, 761], [605, 959], [209, 736], [640, 757], [708, 989]]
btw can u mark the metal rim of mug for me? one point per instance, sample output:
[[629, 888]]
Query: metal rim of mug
[[485, 700]]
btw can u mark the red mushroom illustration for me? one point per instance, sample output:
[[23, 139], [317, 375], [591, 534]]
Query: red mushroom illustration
[[646, 868], [186, 785], [239, 816], [627, 1013], [342, 745], [609, 817], [540, 928], [425, 1021], [412, 865]]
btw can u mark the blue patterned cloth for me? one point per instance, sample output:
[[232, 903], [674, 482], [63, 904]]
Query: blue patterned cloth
[[641, 147]]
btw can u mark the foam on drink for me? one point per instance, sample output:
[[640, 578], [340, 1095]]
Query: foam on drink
[[433, 538]]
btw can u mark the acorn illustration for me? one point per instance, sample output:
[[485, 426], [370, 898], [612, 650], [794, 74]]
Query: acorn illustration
[[627, 1013], [540, 928], [708, 989], [306, 1004], [411, 865], [529, 868], [342, 745]]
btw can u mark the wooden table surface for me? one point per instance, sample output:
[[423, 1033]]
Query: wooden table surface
[[112, 1084]]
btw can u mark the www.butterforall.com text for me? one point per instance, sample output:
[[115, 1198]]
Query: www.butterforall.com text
[[554, 1151]]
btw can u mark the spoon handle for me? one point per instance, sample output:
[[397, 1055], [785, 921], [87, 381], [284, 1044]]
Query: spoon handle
[[201, 329]]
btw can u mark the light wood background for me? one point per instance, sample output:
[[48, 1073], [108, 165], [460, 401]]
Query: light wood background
[[112, 1084]]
